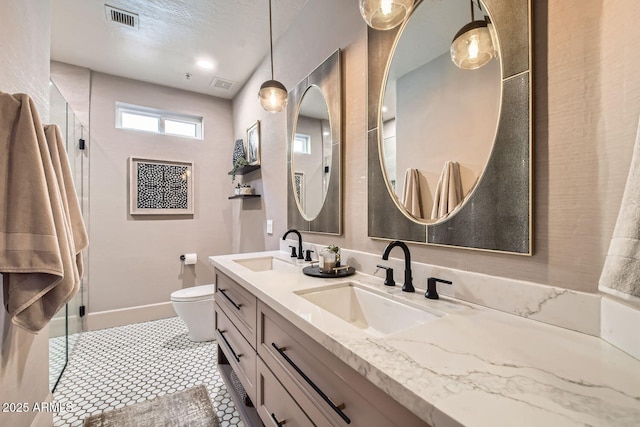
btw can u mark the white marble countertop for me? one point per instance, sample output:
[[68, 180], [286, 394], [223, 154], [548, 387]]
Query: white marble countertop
[[474, 366]]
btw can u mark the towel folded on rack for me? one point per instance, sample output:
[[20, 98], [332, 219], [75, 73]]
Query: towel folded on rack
[[36, 239], [448, 192], [411, 197], [621, 271]]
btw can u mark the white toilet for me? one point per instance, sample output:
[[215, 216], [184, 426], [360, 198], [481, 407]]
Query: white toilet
[[195, 307]]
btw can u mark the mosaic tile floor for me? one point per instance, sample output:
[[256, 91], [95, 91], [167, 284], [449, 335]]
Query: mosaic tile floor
[[111, 368]]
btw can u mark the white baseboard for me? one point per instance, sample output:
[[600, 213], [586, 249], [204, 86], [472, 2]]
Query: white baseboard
[[57, 326], [127, 316]]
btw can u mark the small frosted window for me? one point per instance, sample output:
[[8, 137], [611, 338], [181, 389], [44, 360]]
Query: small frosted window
[[140, 122], [135, 117], [174, 127], [302, 144]]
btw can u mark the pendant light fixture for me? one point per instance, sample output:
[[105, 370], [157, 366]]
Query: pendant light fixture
[[472, 47], [385, 14], [273, 95]]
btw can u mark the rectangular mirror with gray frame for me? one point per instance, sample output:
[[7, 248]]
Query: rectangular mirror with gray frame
[[314, 133], [449, 126]]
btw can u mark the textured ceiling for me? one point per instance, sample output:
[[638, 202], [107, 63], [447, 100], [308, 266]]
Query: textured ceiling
[[172, 36]]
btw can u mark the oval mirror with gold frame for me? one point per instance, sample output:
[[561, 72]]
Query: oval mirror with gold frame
[[314, 124], [493, 211]]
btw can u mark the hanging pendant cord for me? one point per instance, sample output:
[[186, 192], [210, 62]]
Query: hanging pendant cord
[[470, 2], [271, 39]]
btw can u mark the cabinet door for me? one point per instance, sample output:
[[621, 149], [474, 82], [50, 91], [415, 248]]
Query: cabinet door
[[241, 356], [239, 304], [317, 378], [275, 406]]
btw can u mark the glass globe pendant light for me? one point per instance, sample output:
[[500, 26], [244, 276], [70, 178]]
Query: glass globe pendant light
[[273, 95], [472, 47], [385, 14]]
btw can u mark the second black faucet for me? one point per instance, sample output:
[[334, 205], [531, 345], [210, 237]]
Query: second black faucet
[[297, 233], [408, 279]]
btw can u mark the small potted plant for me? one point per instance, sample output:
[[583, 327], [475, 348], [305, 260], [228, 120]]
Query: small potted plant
[[237, 189], [239, 163], [246, 189]]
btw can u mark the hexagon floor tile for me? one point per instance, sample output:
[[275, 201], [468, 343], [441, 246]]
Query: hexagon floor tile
[[115, 367]]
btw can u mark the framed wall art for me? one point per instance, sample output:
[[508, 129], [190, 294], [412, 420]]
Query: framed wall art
[[253, 143], [160, 187]]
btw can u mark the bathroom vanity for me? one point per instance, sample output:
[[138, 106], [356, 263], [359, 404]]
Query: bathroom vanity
[[305, 357]]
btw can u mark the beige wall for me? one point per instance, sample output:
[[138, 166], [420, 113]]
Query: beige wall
[[445, 114], [134, 260], [586, 111], [24, 55]]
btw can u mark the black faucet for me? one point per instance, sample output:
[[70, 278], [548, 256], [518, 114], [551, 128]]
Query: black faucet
[[408, 280], [297, 233]]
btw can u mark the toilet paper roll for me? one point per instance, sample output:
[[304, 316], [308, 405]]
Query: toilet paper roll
[[190, 259]]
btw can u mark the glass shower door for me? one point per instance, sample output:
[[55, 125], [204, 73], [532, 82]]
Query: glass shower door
[[67, 324]]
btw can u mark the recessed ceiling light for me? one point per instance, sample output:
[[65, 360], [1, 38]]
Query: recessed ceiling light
[[203, 63]]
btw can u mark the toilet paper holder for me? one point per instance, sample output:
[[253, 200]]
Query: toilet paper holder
[[189, 259]]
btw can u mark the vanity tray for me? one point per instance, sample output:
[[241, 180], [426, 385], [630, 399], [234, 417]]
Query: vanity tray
[[314, 271]]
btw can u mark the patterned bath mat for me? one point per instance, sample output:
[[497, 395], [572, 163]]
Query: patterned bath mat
[[190, 407]]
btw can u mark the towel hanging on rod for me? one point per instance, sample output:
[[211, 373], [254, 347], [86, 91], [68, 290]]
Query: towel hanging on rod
[[411, 196], [38, 252], [448, 192]]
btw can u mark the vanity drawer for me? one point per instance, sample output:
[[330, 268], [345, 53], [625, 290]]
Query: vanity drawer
[[274, 404], [239, 304], [241, 356], [327, 389]]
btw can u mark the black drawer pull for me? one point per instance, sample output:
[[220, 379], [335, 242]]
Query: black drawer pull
[[224, 293], [278, 423], [337, 408], [235, 356]]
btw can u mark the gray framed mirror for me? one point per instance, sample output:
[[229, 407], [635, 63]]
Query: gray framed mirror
[[314, 133], [449, 149]]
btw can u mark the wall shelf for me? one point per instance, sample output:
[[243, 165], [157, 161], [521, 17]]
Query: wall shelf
[[245, 169], [244, 196]]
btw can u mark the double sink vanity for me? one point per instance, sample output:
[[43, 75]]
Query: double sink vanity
[[351, 351]]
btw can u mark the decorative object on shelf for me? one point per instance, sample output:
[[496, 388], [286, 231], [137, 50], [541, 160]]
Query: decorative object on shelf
[[246, 189], [237, 189], [238, 151], [473, 46], [238, 164], [253, 143], [314, 271], [385, 14], [160, 187], [273, 95], [329, 259]]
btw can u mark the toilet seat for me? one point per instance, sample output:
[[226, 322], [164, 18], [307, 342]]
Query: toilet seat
[[196, 293]]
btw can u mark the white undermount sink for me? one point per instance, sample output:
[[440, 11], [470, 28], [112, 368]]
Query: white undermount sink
[[265, 264], [372, 311]]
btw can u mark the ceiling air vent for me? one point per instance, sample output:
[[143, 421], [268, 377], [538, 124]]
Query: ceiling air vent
[[219, 83], [121, 17]]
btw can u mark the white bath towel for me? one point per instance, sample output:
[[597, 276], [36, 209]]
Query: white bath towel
[[411, 196], [621, 272], [36, 242], [448, 192]]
